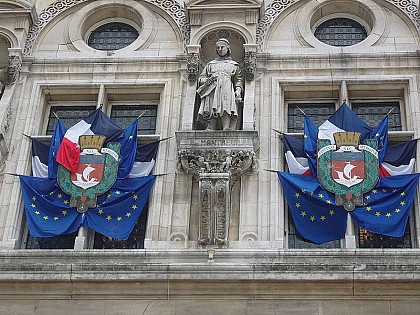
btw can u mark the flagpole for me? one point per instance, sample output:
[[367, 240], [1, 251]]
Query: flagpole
[[27, 135], [271, 171], [391, 110], [164, 139], [278, 131], [56, 116], [301, 110], [142, 114]]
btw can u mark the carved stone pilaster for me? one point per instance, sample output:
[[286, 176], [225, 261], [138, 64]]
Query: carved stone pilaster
[[216, 158]]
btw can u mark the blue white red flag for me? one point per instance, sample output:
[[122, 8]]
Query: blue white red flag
[[39, 158], [296, 158], [399, 159], [97, 123], [128, 142], [145, 159]]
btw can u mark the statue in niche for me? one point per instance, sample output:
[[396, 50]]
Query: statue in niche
[[220, 89]]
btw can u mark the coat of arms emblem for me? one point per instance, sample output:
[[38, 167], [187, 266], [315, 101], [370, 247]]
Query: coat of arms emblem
[[96, 172], [348, 169]]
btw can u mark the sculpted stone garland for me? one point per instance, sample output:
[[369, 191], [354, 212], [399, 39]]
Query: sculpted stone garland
[[174, 9]]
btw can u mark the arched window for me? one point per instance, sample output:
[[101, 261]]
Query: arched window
[[112, 36], [340, 32]]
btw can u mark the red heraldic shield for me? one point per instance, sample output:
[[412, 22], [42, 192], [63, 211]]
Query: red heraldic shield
[[90, 170], [348, 168]]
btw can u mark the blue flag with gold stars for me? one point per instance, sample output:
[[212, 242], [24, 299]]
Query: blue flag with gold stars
[[385, 211], [49, 214], [118, 210], [313, 209], [387, 207], [47, 208]]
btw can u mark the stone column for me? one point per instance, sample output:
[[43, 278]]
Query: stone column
[[216, 158]]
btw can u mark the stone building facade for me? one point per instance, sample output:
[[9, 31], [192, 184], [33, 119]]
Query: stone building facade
[[216, 236]]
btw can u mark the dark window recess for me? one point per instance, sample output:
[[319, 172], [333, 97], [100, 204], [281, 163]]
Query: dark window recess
[[69, 115], [58, 242], [135, 240], [112, 36], [340, 32], [124, 115], [297, 242], [373, 112], [372, 240], [317, 113]]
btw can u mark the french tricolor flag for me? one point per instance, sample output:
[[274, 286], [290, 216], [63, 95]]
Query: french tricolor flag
[[97, 123]]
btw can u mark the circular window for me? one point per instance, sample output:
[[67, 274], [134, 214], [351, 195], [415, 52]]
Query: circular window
[[112, 36], [340, 32]]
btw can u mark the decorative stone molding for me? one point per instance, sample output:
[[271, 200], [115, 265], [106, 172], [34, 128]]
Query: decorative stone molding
[[171, 7], [274, 9], [215, 157]]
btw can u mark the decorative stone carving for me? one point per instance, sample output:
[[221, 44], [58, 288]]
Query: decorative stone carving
[[193, 64], [171, 7], [216, 158], [250, 65], [13, 69]]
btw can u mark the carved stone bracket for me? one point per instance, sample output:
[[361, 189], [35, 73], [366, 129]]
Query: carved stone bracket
[[230, 152], [216, 158]]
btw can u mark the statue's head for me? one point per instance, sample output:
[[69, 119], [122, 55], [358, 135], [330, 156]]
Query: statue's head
[[223, 47]]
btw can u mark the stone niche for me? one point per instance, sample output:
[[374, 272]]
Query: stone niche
[[216, 158]]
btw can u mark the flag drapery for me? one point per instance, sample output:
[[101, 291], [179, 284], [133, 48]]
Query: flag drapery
[[49, 214], [385, 209], [97, 123], [115, 212]]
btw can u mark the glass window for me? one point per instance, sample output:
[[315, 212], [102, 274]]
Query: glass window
[[69, 116], [59, 242], [373, 112], [317, 112], [123, 115], [372, 240], [112, 36], [340, 32]]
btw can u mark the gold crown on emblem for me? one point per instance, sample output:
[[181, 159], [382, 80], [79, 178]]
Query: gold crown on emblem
[[91, 142], [349, 138]]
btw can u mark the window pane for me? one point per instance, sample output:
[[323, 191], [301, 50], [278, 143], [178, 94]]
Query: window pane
[[112, 36], [373, 112], [59, 242], [318, 113], [340, 32], [69, 115], [135, 240], [372, 240], [297, 242], [124, 115]]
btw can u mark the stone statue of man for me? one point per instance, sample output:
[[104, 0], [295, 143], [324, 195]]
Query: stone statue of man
[[220, 90]]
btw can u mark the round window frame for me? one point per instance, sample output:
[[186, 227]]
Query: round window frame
[[86, 18], [109, 21], [307, 15], [355, 18]]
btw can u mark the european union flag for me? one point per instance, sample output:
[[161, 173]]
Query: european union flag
[[47, 208], [387, 207], [313, 209], [118, 210], [49, 214]]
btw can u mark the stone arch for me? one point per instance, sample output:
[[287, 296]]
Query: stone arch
[[274, 9], [171, 7], [198, 36]]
